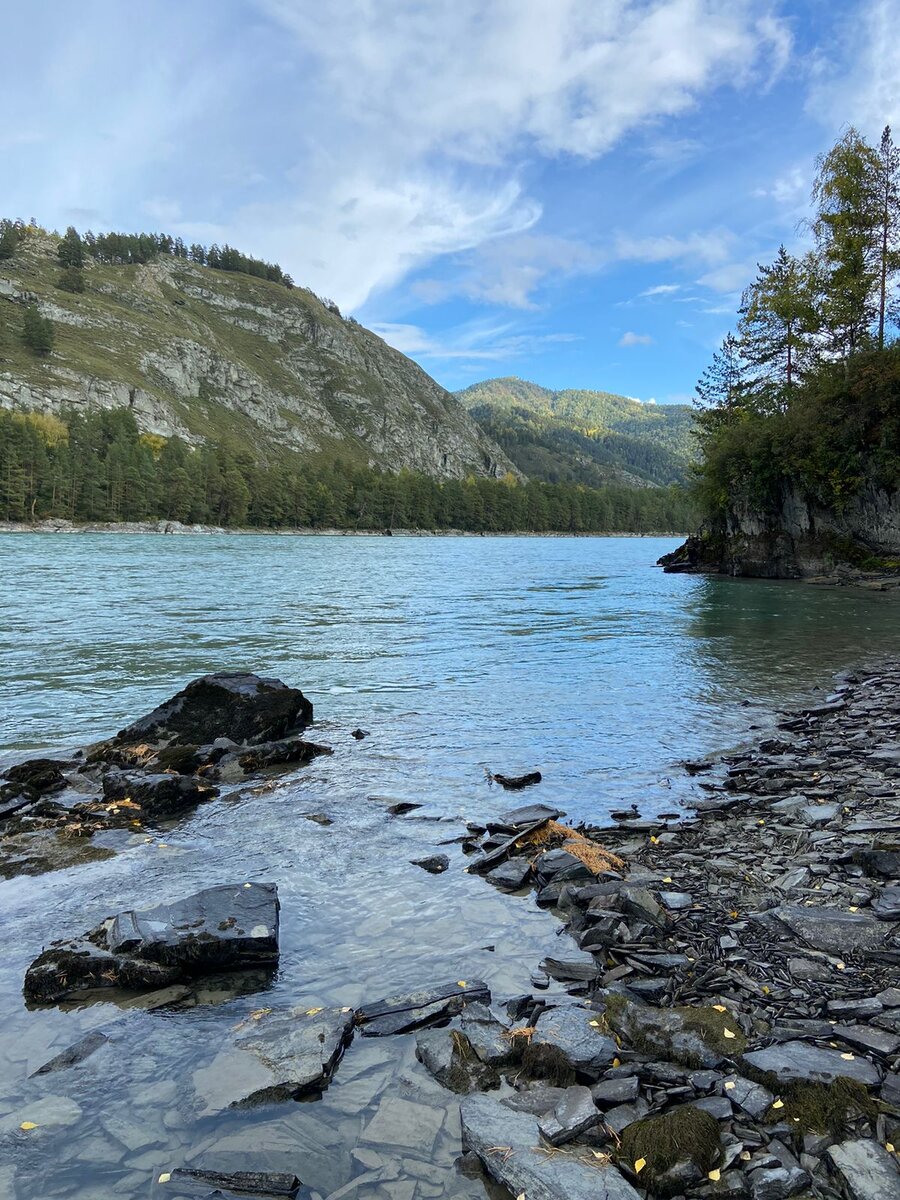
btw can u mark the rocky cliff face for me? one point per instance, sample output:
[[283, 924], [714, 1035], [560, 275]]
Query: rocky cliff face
[[799, 538], [207, 354]]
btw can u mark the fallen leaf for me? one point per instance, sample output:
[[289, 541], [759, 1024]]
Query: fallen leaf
[[728, 1033], [889, 1146], [461, 983], [653, 839], [778, 1104], [853, 908], [617, 1062], [715, 1175], [165, 1177], [311, 1012], [639, 1165], [720, 1008], [840, 966], [347, 1009], [729, 1085], [766, 989], [596, 1024], [847, 1057], [745, 1156], [667, 879], [26, 1125]]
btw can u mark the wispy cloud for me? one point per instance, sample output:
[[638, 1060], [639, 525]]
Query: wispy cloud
[[635, 339], [473, 341]]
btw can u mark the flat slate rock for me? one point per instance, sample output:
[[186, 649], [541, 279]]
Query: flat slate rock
[[517, 817], [510, 1147], [813, 1064], [74, 1054], [867, 1170], [511, 875], [235, 925], [569, 1029], [278, 1055], [437, 1050], [402, 1013], [835, 931], [574, 1113], [242, 1183]]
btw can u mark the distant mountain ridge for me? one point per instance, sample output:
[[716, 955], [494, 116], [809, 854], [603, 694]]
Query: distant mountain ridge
[[583, 436]]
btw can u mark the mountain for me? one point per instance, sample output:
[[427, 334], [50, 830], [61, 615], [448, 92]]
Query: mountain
[[588, 437], [222, 356]]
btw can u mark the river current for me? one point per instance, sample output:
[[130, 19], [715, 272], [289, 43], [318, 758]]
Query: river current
[[577, 657]]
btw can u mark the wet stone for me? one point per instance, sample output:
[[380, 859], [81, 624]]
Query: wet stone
[[609, 1092], [511, 875], [752, 1098], [452, 1063], [508, 1144], [76, 1053], [157, 796], [188, 1182], [434, 864], [486, 1034], [405, 1012], [777, 1183], [835, 931], [278, 1056], [676, 901], [401, 1123], [518, 817]]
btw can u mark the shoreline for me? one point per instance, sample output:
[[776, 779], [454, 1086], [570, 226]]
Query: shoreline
[[177, 528]]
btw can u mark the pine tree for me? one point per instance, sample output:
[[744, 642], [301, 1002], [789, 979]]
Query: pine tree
[[71, 280], [9, 239], [778, 322], [37, 332], [722, 384], [889, 219], [70, 250], [847, 228]]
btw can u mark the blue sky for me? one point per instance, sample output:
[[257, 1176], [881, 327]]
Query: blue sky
[[573, 191]]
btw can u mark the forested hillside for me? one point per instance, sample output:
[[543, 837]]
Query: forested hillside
[[583, 436]]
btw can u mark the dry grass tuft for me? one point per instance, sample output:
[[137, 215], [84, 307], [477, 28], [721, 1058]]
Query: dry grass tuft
[[592, 854]]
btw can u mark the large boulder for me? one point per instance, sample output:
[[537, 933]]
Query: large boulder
[[219, 929], [239, 706], [812, 1064]]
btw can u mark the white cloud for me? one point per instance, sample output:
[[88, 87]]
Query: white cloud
[[635, 339], [662, 289], [790, 189], [474, 341], [712, 247], [858, 82]]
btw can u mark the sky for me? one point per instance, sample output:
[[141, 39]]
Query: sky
[[571, 191]]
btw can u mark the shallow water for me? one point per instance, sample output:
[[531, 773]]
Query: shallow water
[[577, 657]]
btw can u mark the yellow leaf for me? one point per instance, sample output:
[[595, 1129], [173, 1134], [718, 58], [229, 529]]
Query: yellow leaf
[[728, 1033], [596, 1024], [26, 1125], [760, 822], [840, 966], [521, 1196], [715, 1176], [766, 989], [745, 1156], [347, 1009], [461, 983], [165, 1177], [163, 845], [853, 908], [720, 1008], [653, 839], [311, 1012], [667, 879], [617, 1062], [639, 1165], [889, 1146], [778, 1104], [729, 1085], [848, 1057]]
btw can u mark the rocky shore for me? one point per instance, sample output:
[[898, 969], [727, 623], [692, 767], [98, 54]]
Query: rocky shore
[[721, 1018], [177, 527]]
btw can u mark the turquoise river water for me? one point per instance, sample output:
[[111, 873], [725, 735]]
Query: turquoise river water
[[575, 656]]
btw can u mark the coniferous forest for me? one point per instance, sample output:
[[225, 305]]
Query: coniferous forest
[[97, 466], [806, 391]]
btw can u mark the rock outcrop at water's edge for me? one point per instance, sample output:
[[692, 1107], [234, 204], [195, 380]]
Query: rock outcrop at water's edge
[[216, 733], [799, 539]]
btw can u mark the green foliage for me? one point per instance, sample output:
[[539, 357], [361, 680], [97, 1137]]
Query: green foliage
[[71, 280], [145, 247], [105, 470], [70, 250], [10, 236], [593, 438], [37, 332]]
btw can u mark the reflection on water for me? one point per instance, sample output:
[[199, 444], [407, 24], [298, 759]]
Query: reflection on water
[[574, 656]]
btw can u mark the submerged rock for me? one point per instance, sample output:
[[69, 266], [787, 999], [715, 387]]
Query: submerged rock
[[189, 1183], [223, 928], [449, 1056], [74, 1054], [515, 783], [279, 1055], [239, 706], [510, 1148]]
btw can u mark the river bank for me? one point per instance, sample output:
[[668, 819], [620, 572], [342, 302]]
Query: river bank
[[692, 1032], [178, 528]]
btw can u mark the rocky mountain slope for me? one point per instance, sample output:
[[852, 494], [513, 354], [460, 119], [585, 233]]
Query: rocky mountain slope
[[211, 355], [582, 436]]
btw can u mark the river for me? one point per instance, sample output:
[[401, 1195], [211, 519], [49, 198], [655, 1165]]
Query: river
[[577, 657]]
